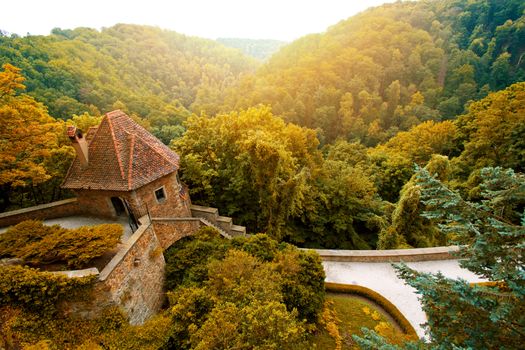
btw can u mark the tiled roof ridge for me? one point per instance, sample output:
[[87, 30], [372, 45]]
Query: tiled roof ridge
[[123, 156], [117, 153], [130, 164], [162, 154]]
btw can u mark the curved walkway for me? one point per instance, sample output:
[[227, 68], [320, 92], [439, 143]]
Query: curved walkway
[[382, 278]]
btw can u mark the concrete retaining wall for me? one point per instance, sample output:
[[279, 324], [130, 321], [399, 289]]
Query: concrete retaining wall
[[63, 208], [391, 255]]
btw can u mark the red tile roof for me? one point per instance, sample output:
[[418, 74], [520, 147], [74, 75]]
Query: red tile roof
[[123, 156]]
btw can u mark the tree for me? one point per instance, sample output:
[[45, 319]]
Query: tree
[[422, 141], [492, 131], [408, 228], [27, 135], [84, 121], [254, 294], [251, 164], [492, 244], [342, 210], [259, 325]]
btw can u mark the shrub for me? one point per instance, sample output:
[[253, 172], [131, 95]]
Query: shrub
[[259, 325], [38, 244], [38, 291], [108, 330], [152, 335], [303, 282], [25, 233], [260, 245]]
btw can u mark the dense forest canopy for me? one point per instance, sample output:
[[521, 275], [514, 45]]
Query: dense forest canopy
[[316, 146], [157, 74], [392, 67]]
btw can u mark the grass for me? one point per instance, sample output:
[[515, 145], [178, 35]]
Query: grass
[[351, 314]]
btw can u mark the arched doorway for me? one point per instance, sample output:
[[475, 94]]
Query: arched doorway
[[118, 205]]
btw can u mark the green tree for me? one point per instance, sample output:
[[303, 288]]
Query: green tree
[[259, 325], [250, 164], [342, 210], [256, 293], [490, 132], [408, 228], [467, 316]]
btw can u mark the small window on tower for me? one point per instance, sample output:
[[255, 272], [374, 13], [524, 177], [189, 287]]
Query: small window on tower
[[160, 195]]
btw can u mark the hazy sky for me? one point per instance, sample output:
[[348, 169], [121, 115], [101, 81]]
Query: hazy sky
[[260, 19]]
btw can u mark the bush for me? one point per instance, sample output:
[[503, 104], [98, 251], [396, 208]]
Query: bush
[[108, 330], [38, 291], [23, 234], [260, 245], [38, 244]]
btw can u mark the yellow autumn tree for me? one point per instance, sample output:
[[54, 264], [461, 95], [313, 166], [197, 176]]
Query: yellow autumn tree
[[27, 134]]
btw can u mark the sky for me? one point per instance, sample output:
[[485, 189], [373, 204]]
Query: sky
[[269, 19]]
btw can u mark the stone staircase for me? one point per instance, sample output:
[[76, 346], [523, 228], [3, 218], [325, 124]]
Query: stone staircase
[[222, 223], [221, 231]]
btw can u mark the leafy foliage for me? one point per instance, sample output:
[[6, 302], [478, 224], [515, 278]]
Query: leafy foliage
[[38, 291], [493, 132], [157, 74], [29, 137], [38, 244], [250, 164], [225, 295], [342, 209], [489, 316], [408, 228], [392, 67], [108, 330]]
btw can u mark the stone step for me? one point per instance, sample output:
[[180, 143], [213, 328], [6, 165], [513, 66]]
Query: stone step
[[237, 230], [221, 231], [225, 223], [210, 214]]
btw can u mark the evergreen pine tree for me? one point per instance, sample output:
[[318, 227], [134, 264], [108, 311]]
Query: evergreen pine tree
[[491, 235]]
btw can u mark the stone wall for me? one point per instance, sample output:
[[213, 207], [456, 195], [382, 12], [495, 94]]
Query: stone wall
[[141, 200], [172, 206], [66, 207], [98, 203], [390, 255], [134, 278]]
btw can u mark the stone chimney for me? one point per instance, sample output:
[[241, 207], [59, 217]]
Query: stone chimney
[[79, 144]]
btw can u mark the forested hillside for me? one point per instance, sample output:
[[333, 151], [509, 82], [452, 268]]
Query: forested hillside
[[397, 85], [157, 74], [393, 67], [328, 161]]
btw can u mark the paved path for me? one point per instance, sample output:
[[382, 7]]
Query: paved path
[[382, 278]]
